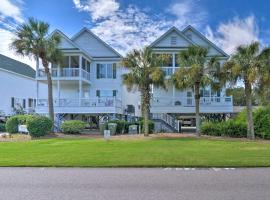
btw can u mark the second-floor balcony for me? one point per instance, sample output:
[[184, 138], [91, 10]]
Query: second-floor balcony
[[169, 70], [65, 74]]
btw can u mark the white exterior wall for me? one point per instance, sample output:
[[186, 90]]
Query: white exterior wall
[[17, 86]]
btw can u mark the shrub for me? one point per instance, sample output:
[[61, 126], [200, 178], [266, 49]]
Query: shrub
[[228, 128], [2, 127], [211, 128], [13, 122], [262, 122], [232, 128], [39, 125], [73, 126]]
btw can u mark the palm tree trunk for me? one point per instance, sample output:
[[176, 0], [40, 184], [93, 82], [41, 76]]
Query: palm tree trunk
[[197, 108], [146, 111], [250, 125], [50, 92]]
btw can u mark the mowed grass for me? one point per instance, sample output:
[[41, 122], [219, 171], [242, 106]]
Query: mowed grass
[[156, 152]]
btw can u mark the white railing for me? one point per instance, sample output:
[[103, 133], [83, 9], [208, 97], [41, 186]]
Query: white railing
[[65, 73], [190, 101], [169, 70], [85, 102], [168, 119]]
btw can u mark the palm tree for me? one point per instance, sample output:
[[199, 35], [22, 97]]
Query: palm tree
[[144, 71], [195, 72], [32, 39], [250, 65]]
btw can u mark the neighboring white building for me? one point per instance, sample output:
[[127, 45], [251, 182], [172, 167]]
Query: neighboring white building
[[17, 87], [172, 104], [88, 85]]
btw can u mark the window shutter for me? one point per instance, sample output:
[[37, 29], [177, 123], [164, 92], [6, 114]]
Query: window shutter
[[98, 69], [29, 103], [114, 70], [98, 93], [114, 93], [24, 102], [12, 102]]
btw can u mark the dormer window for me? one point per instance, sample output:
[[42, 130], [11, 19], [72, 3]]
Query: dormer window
[[173, 40]]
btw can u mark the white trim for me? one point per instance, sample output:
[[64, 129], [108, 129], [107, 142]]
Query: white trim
[[167, 33]]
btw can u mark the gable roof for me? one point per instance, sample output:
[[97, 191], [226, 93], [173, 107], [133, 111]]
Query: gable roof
[[170, 31], [15, 66], [189, 27], [96, 37], [70, 41]]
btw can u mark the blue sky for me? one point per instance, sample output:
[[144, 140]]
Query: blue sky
[[127, 24]]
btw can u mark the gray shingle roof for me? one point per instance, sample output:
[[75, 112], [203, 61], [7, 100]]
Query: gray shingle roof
[[16, 66]]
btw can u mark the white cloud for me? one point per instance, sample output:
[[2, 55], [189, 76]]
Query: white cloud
[[187, 12], [5, 40], [10, 17], [10, 9], [125, 29], [234, 33], [99, 9]]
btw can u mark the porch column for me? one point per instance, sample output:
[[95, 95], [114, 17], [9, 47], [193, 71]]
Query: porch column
[[37, 82], [80, 91], [173, 91], [58, 92]]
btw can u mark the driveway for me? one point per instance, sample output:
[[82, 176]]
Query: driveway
[[130, 183]]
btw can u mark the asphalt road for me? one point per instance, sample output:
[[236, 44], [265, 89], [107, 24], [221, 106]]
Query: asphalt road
[[118, 184]]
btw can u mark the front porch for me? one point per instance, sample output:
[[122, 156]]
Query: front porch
[[81, 106]]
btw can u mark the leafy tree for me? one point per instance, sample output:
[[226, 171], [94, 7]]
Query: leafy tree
[[32, 39], [238, 94], [248, 65], [144, 71], [196, 71]]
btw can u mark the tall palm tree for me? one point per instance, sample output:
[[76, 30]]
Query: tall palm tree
[[195, 72], [32, 39], [144, 71], [250, 65]]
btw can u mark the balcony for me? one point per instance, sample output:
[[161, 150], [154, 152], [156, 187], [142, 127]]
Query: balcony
[[187, 105], [87, 106], [65, 74], [169, 71]]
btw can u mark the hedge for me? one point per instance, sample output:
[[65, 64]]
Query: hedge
[[39, 125], [73, 126], [228, 128], [2, 127]]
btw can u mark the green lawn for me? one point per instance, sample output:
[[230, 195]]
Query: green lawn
[[180, 152]]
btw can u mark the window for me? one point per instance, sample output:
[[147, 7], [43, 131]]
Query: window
[[84, 63], [30, 103], [173, 40], [168, 60], [74, 61], [65, 63], [106, 71], [88, 66], [24, 103], [106, 93], [12, 102]]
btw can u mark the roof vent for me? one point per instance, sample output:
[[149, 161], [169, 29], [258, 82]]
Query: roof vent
[[173, 40]]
